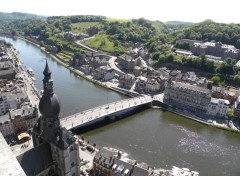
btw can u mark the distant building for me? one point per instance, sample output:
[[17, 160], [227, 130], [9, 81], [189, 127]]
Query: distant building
[[126, 62], [126, 81], [213, 49], [218, 107], [187, 96], [94, 60], [104, 73], [237, 107], [7, 70], [154, 85]]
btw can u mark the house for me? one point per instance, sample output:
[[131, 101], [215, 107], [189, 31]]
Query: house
[[237, 107], [103, 162], [126, 62], [152, 86], [218, 107], [111, 163], [104, 73], [164, 72], [137, 71], [6, 126], [4, 106], [140, 84], [126, 81]]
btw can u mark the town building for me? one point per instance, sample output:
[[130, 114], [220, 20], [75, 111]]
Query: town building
[[4, 106], [126, 81], [126, 63], [94, 60], [187, 96], [218, 108], [56, 151], [12, 99], [110, 162], [218, 50], [6, 127], [237, 107], [104, 73]]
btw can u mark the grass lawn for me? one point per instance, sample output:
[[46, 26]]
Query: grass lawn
[[101, 42], [64, 55], [119, 20], [82, 26]]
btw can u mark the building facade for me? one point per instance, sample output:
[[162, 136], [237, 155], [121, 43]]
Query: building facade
[[187, 96], [237, 107], [104, 73], [218, 107], [126, 81]]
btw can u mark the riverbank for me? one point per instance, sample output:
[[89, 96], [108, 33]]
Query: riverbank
[[105, 85], [81, 74], [204, 122]]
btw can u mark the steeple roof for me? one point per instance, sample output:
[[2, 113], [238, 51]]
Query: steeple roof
[[47, 71]]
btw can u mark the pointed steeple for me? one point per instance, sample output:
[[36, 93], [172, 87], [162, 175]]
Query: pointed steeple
[[47, 81], [49, 105], [47, 71]]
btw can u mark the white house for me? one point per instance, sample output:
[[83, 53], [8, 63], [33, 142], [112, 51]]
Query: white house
[[218, 107]]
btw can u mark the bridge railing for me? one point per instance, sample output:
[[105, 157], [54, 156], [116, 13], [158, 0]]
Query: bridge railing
[[98, 107]]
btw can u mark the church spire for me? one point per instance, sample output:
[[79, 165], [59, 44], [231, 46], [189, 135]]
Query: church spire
[[47, 81], [47, 70]]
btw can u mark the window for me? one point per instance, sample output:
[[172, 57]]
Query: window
[[72, 164]]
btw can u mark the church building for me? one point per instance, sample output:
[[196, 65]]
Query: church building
[[56, 151]]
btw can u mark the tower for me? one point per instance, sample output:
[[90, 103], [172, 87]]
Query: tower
[[63, 145], [49, 106]]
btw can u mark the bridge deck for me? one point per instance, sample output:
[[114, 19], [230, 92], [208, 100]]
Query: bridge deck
[[101, 111]]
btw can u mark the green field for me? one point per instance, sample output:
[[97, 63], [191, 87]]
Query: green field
[[82, 26], [101, 42], [64, 55], [119, 20]]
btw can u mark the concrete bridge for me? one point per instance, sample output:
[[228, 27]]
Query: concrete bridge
[[93, 115]]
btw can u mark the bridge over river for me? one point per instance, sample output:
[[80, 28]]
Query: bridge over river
[[92, 115]]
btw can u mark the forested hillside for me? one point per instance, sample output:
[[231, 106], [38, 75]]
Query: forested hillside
[[210, 31]]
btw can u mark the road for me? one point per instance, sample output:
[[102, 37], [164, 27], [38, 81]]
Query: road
[[101, 111], [30, 88], [113, 65], [84, 46]]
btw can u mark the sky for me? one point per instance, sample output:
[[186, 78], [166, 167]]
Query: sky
[[162, 10]]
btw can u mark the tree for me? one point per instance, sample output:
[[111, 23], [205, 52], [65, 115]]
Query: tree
[[229, 114], [14, 32], [216, 80], [236, 79]]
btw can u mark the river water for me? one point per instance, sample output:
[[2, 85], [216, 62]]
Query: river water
[[161, 139]]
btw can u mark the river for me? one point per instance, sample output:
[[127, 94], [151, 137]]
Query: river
[[161, 139]]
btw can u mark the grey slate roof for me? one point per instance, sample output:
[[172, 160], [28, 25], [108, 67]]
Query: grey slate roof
[[103, 157], [36, 159], [64, 139]]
